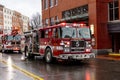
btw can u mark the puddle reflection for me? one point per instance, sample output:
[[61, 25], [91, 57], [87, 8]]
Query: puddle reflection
[[82, 72], [10, 68]]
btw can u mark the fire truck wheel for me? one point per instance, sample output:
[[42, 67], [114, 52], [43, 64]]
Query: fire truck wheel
[[48, 55], [28, 54], [3, 50]]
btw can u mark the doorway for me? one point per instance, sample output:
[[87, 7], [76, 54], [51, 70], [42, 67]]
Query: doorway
[[116, 42]]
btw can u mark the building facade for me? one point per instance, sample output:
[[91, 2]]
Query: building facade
[[17, 22], [102, 15], [1, 19], [26, 26], [10, 20], [7, 15]]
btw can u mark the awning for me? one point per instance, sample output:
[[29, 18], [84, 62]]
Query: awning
[[114, 27]]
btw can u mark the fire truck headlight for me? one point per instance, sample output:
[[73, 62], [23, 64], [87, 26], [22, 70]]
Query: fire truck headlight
[[62, 43], [88, 50], [66, 49], [67, 45], [88, 44], [59, 48]]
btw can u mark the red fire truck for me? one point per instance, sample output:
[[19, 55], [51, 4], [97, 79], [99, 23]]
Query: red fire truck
[[63, 41], [11, 42]]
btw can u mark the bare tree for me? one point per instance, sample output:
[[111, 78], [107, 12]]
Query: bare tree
[[35, 22]]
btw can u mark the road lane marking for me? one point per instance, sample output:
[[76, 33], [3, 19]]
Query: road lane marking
[[35, 77]]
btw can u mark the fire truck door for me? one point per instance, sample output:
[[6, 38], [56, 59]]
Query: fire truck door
[[55, 40]]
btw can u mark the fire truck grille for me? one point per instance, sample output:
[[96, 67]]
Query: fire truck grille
[[17, 42], [78, 46]]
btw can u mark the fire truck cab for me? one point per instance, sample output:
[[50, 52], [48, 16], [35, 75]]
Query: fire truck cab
[[11, 43], [63, 41]]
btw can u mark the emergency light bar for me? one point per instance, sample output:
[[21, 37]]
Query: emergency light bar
[[72, 24]]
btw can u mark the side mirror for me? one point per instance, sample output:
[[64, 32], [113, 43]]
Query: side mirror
[[93, 41]]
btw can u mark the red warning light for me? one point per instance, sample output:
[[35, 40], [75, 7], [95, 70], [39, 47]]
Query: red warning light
[[63, 24], [74, 24], [81, 24]]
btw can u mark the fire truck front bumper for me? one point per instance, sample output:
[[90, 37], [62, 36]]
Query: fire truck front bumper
[[77, 56], [16, 48]]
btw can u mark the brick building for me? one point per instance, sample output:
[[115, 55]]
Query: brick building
[[1, 19], [7, 15], [17, 21], [20, 22], [103, 15], [11, 19]]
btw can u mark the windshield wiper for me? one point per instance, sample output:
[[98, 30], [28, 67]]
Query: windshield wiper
[[81, 35]]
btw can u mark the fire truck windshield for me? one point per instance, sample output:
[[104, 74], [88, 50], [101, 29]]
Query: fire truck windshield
[[68, 32], [17, 37], [73, 32], [84, 33], [10, 37]]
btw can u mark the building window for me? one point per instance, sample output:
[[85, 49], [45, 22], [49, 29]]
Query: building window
[[45, 4], [46, 22], [52, 21], [56, 2], [56, 17], [75, 11], [113, 10], [51, 3]]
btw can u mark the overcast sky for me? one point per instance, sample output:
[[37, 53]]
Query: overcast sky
[[25, 7]]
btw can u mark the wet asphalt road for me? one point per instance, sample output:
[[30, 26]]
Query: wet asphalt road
[[95, 69]]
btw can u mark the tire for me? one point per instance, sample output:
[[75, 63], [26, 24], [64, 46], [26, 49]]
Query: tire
[[26, 51], [2, 50], [48, 56]]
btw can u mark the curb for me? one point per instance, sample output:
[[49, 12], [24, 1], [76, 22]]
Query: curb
[[110, 56], [114, 54]]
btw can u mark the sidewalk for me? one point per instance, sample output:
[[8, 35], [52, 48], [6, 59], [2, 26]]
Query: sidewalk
[[110, 56]]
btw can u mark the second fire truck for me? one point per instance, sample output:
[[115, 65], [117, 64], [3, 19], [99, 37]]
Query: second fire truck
[[63, 41], [11, 42]]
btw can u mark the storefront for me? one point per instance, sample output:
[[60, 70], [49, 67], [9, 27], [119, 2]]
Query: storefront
[[114, 31]]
